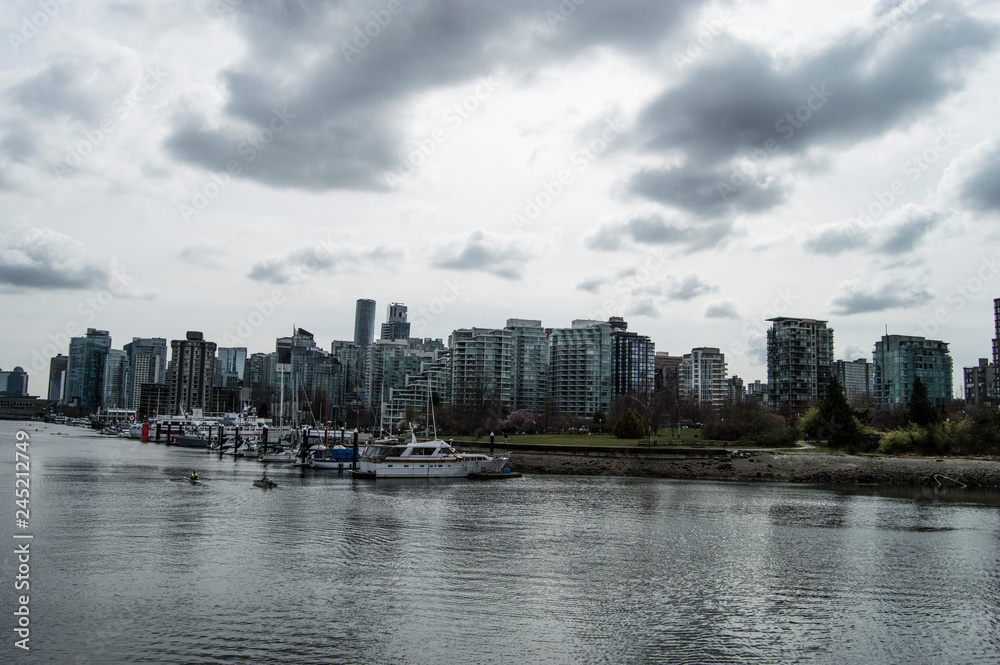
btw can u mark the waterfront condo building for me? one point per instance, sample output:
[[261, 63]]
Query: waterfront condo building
[[116, 371], [856, 378], [633, 360], [85, 369], [580, 368], [529, 364], [900, 358], [147, 364], [994, 386], [481, 366], [703, 377], [978, 380], [192, 366], [799, 362]]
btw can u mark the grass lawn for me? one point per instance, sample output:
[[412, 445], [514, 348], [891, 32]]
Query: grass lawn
[[689, 437]]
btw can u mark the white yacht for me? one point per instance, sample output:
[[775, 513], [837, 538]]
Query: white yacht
[[424, 459]]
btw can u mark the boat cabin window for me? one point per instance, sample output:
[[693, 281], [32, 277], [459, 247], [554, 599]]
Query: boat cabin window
[[422, 451], [396, 451]]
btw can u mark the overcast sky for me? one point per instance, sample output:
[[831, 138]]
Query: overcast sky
[[242, 167]]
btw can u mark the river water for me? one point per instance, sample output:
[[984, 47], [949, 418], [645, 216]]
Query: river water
[[128, 565]]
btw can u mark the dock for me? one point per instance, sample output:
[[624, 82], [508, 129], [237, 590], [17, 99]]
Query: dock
[[489, 475]]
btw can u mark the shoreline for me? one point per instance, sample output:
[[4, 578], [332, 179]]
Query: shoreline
[[772, 466]]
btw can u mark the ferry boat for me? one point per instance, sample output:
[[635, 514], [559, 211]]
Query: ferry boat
[[424, 459]]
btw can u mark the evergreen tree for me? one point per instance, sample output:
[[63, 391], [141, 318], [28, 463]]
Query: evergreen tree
[[920, 410], [629, 426], [837, 422]]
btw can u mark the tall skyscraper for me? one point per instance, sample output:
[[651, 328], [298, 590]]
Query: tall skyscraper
[[529, 364], [364, 323], [230, 365], [703, 377], [994, 387], [147, 364], [57, 377], [115, 372], [799, 362], [900, 358], [192, 366], [633, 360], [395, 326], [85, 369], [580, 368]]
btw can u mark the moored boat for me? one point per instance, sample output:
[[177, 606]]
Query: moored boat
[[425, 459]]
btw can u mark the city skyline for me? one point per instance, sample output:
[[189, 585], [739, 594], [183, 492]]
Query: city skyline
[[696, 168]]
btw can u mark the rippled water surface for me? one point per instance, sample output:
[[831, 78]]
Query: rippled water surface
[[129, 566]]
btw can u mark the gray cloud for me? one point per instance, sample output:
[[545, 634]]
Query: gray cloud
[[44, 259], [708, 192], [742, 105], [687, 287], [592, 285], [347, 134], [655, 230], [486, 252], [320, 257], [981, 189], [725, 309], [860, 298], [899, 232]]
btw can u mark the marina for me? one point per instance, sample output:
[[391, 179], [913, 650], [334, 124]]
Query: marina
[[554, 569]]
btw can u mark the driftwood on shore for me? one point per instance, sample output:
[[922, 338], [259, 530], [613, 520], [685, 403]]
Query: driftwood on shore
[[772, 466]]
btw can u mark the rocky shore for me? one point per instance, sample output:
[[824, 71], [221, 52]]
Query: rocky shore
[[771, 466]]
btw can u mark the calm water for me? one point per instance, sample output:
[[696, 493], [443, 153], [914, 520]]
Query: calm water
[[127, 566]]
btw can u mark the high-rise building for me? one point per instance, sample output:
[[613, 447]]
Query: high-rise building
[[147, 363], [14, 383], [757, 392], [978, 380], [799, 362], [57, 377], [703, 377], [580, 368], [192, 366], [395, 326], [900, 358], [116, 371], [855, 378], [481, 366], [364, 323], [529, 364], [735, 392], [633, 360], [85, 369], [994, 387], [230, 365], [668, 372]]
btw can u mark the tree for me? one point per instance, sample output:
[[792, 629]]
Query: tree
[[920, 410], [834, 420], [629, 426]]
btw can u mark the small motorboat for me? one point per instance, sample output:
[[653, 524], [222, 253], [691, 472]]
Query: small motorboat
[[265, 483]]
